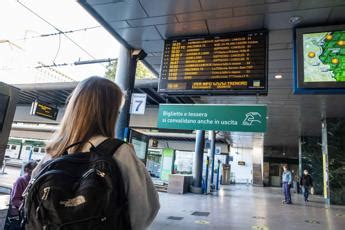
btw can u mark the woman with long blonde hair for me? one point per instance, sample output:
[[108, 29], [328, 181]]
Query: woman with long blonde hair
[[90, 119]]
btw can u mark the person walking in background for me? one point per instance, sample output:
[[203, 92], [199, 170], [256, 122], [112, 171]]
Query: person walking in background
[[16, 198], [294, 181], [306, 184], [287, 180], [19, 187]]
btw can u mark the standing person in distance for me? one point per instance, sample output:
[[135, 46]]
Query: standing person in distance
[[87, 129], [306, 184], [287, 180], [16, 199], [19, 187]]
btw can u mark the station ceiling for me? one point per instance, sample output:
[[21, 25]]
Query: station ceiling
[[145, 24]]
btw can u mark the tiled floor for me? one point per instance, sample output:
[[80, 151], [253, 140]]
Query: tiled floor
[[246, 207], [236, 207]]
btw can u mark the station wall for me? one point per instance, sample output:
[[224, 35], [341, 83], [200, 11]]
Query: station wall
[[242, 173], [148, 120], [30, 134]]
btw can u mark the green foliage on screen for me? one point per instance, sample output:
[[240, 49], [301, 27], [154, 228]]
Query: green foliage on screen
[[324, 57]]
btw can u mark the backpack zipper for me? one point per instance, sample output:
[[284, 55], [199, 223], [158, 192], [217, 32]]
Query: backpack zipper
[[98, 172], [46, 191]]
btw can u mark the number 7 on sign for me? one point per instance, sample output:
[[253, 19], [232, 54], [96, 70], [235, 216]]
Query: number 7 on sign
[[139, 103]]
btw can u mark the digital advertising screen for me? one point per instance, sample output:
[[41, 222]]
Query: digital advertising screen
[[234, 63], [320, 58]]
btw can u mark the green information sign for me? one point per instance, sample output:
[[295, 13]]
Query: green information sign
[[236, 118]]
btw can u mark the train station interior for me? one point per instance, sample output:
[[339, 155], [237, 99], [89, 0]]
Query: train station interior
[[219, 96]]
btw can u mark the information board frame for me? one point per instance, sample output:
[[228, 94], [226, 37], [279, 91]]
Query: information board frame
[[217, 117], [142, 138], [263, 91], [300, 86], [41, 109]]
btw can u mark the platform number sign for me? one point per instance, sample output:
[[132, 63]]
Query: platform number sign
[[138, 103]]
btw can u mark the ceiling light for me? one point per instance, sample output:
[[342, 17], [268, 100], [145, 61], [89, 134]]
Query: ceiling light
[[294, 20], [278, 76]]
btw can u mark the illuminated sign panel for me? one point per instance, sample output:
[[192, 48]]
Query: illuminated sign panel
[[44, 110], [320, 60], [224, 64], [234, 118]]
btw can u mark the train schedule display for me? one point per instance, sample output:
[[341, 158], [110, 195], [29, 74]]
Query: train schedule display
[[223, 64]]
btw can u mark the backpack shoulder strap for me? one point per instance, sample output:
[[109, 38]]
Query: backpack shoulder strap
[[109, 146]]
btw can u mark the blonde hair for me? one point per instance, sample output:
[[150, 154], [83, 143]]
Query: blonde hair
[[92, 110]]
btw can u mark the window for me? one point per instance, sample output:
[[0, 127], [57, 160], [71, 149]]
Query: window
[[13, 147], [7, 146], [43, 150], [36, 149], [27, 148]]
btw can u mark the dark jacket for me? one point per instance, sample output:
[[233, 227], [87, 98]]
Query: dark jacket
[[306, 180]]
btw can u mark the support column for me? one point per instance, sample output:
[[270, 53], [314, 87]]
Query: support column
[[258, 161], [198, 160], [21, 148], [300, 173], [212, 139], [326, 190], [125, 79]]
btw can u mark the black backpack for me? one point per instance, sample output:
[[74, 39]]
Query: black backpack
[[78, 191]]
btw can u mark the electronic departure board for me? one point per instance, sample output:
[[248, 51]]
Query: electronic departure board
[[44, 110], [233, 63]]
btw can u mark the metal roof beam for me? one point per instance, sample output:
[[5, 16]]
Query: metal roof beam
[[154, 95], [47, 86], [148, 96]]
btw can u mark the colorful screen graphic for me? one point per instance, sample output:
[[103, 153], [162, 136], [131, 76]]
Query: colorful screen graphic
[[324, 57]]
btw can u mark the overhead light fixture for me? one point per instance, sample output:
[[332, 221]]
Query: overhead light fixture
[[278, 76], [294, 20]]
